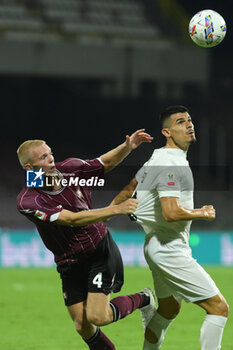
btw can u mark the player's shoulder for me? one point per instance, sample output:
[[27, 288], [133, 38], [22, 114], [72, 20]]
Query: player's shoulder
[[26, 192], [26, 197], [73, 164], [161, 156], [69, 162], [168, 156]]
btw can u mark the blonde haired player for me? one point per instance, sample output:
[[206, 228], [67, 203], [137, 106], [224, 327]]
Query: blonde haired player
[[164, 189], [87, 258], [25, 151]]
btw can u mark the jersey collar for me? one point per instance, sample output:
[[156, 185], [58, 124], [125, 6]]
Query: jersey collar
[[52, 193]]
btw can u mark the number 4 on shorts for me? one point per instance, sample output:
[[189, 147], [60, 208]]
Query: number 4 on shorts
[[97, 280]]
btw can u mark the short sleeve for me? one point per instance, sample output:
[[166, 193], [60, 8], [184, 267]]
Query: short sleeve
[[94, 166], [38, 209], [167, 181]]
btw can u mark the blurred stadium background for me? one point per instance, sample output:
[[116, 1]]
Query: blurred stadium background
[[81, 74]]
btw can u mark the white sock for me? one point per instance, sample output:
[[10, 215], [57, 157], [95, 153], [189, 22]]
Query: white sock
[[157, 325], [212, 331]]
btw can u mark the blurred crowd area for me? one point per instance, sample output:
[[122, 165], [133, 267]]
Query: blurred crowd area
[[82, 74], [52, 21]]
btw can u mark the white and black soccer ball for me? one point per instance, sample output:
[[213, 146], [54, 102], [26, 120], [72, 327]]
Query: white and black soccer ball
[[207, 28]]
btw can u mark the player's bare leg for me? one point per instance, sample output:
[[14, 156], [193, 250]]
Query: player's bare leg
[[91, 334], [101, 311], [82, 325], [98, 311], [168, 309], [212, 329]]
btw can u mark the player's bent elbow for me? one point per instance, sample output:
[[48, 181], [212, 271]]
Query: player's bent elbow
[[169, 217]]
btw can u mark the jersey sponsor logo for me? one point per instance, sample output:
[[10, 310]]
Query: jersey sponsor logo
[[170, 178], [41, 215], [35, 178]]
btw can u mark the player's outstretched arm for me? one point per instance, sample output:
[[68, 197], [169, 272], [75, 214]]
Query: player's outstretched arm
[[115, 156], [126, 193], [172, 211], [88, 217]]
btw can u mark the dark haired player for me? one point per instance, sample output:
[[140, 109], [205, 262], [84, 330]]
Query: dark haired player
[[87, 258], [164, 189]]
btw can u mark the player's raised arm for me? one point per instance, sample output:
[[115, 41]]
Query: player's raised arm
[[115, 156], [172, 211], [88, 217], [126, 193]]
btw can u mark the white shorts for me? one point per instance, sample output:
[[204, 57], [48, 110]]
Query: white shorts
[[176, 272]]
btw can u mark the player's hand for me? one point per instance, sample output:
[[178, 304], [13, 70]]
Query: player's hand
[[209, 212], [138, 137], [128, 207]]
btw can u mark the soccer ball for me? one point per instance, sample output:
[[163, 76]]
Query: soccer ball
[[207, 28]]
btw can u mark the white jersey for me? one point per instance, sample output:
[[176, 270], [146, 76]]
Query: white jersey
[[165, 174]]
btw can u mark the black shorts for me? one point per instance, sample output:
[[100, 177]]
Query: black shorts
[[103, 272]]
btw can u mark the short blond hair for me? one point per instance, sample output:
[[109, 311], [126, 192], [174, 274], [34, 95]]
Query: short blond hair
[[24, 150]]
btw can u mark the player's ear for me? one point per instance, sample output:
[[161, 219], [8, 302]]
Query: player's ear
[[28, 166], [166, 132]]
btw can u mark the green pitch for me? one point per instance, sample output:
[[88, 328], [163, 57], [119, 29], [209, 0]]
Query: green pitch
[[33, 316]]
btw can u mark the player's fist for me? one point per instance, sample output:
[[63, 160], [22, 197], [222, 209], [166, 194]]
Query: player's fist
[[209, 212], [128, 207]]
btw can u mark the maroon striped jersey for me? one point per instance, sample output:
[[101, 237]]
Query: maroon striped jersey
[[69, 244]]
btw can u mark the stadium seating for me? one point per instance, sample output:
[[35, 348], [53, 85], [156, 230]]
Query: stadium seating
[[53, 20]]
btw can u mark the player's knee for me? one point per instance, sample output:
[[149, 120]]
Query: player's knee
[[96, 318], [220, 306], [84, 328], [224, 308], [80, 327], [216, 305]]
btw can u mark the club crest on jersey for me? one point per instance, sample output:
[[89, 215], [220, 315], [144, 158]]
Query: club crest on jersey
[[170, 180], [41, 215]]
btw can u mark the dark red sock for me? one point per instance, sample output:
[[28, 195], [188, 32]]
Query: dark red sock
[[100, 341], [126, 304]]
